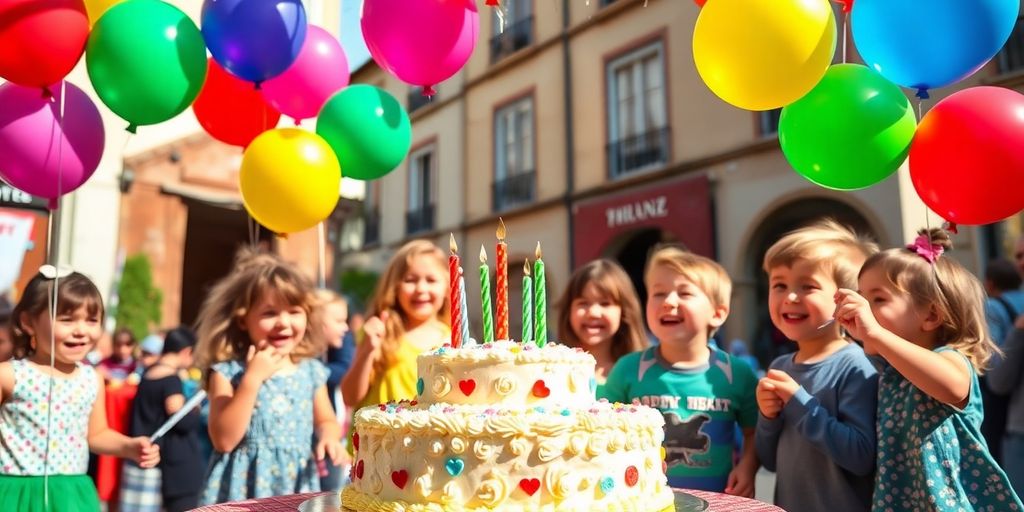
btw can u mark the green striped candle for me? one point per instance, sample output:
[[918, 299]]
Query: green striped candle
[[527, 304], [485, 296], [540, 302]]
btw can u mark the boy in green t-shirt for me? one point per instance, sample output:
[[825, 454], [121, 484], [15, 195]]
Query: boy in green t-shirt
[[702, 391]]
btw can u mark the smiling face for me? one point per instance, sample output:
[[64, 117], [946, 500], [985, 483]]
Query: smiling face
[[679, 311], [421, 292], [800, 300], [594, 317], [74, 334], [894, 310], [272, 321]]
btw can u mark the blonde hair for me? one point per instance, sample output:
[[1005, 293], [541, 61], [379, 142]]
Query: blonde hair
[[826, 244], [706, 273], [325, 297], [385, 298], [955, 293], [612, 282], [219, 327]]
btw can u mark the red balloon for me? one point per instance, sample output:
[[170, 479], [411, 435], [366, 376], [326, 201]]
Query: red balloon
[[232, 110], [967, 158], [700, 3], [40, 42]]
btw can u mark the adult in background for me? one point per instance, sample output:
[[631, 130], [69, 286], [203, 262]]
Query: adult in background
[[1004, 303]]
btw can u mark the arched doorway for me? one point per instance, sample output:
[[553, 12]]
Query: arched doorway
[[631, 251], [767, 341]]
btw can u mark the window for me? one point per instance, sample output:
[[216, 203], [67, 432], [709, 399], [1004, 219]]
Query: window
[[371, 213], [1011, 58], [638, 127], [514, 172], [422, 173], [769, 122], [511, 28]]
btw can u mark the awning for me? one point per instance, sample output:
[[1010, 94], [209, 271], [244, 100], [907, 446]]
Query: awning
[[203, 195]]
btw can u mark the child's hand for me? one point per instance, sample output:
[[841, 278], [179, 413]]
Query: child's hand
[[331, 448], [854, 313], [767, 400], [781, 383], [145, 453], [262, 364], [374, 329], [741, 479]]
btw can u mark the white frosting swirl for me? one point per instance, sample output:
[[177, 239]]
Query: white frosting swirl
[[483, 450], [451, 493], [458, 444], [518, 446], [493, 490], [550, 450], [440, 386], [559, 482], [504, 385], [436, 447], [577, 443], [376, 484], [424, 482]]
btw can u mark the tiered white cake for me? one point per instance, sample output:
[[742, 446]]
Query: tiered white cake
[[507, 426]]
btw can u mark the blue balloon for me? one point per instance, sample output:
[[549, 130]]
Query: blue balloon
[[254, 40], [927, 44]]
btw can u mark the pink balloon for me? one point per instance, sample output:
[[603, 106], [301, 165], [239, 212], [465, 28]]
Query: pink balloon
[[422, 42], [38, 149], [319, 71]]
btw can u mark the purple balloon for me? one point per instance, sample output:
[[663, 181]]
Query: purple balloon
[[41, 155], [254, 40], [320, 71], [422, 42]]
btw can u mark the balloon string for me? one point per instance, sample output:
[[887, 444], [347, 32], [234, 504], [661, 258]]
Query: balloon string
[[846, 21], [321, 256]]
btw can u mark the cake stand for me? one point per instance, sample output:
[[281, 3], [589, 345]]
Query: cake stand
[[332, 503]]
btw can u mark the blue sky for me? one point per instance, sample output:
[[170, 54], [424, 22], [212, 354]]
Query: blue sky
[[351, 35]]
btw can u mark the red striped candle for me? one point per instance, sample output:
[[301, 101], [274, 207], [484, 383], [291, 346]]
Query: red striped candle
[[501, 289], [454, 297]]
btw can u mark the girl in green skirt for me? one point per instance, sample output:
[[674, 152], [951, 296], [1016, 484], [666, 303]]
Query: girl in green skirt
[[52, 410]]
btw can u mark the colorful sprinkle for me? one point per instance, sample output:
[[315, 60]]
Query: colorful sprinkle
[[566, 412], [355, 441], [632, 475], [593, 385], [419, 386], [454, 466], [607, 484]]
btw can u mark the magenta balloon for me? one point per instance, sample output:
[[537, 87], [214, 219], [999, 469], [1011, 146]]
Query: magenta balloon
[[320, 70], [422, 42], [37, 149]]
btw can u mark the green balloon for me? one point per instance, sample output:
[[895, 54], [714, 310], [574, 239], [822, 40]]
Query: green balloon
[[850, 132], [147, 61], [368, 130]]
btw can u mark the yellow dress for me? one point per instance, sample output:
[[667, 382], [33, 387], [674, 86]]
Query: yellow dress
[[398, 382]]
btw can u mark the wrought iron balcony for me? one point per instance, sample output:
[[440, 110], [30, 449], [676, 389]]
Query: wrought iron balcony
[[371, 227], [1011, 58], [420, 220], [515, 190], [515, 37], [638, 152]]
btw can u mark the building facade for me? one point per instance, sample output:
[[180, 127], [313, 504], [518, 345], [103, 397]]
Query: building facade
[[585, 127]]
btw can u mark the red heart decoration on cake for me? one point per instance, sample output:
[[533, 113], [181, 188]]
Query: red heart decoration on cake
[[540, 390], [467, 386], [400, 478], [529, 485], [632, 475], [359, 469], [355, 441]]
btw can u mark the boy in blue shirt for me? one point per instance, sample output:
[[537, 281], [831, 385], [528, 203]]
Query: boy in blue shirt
[[816, 429], [702, 391]]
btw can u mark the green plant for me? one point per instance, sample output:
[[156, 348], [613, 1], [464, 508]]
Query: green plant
[[358, 285], [138, 305]]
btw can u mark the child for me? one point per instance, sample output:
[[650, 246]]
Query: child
[[177, 481], [924, 314], [267, 387], [599, 312], [122, 362], [334, 324], [702, 391], [37, 440], [817, 405], [410, 316]]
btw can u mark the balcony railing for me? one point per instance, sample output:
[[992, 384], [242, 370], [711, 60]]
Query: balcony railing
[[417, 100], [420, 220], [607, 2], [515, 190], [638, 152], [770, 122], [371, 227], [1011, 58], [515, 37]]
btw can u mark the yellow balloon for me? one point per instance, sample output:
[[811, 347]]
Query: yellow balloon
[[289, 179], [96, 8], [763, 54]]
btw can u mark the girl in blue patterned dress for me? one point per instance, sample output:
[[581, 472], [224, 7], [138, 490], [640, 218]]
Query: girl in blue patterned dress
[[268, 393], [924, 314], [52, 406]]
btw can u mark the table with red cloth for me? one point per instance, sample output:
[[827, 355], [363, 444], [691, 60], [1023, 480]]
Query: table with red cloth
[[119, 413], [716, 503]]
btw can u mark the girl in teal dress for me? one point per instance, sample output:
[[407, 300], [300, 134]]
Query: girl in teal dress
[[268, 393], [924, 315]]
